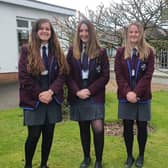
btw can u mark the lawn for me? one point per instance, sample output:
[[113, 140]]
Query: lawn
[[66, 150]]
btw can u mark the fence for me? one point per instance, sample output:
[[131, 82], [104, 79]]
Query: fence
[[162, 59]]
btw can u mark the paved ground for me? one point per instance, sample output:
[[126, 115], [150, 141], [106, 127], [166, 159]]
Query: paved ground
[[10, 96]]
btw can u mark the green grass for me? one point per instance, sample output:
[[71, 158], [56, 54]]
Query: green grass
[[66, 150]]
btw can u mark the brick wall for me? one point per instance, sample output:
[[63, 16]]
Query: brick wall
[[8, 77]]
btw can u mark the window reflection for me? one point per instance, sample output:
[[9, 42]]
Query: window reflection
[[23, 36]]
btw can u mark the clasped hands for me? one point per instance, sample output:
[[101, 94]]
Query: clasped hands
[[83, 93], [132, 97], [46, 96]]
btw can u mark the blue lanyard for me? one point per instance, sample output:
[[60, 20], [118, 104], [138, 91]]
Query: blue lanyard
[[130, 68]]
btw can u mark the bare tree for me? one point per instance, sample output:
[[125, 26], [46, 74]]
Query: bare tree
[[115, 17], [110, 21]]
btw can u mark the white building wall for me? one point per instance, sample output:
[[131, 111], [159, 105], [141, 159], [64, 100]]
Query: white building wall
[[8, 42], [8, 32]]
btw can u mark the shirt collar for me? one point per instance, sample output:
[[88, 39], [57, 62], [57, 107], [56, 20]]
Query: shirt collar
[[46, 45]]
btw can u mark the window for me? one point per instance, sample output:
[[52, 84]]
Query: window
[[22, 23], [23, 36], [24, 27]]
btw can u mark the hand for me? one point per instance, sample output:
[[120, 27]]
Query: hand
[[131, 97], [83, 93], [87, 91], [45, 97]]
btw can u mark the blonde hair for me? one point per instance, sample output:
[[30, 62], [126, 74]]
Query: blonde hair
[[143, 46], [92, 47]]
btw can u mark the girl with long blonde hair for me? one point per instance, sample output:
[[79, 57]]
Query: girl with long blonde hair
[[134, 66]]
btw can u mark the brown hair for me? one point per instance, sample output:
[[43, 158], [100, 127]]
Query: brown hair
[[35, 65], [143, 46], [93, 46]]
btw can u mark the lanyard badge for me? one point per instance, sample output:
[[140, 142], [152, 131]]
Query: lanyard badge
[[133, 73]]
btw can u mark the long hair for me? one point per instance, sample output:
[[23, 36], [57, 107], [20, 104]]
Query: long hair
[[35, 65], [92, 47], [143, 46]]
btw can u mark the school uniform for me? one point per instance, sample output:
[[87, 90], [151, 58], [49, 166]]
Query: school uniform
[[95, 79], [36, 112], [134, 76]]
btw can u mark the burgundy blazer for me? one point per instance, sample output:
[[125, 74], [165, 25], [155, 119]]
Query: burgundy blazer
[[29, 87], [98, 76], [144, 71]]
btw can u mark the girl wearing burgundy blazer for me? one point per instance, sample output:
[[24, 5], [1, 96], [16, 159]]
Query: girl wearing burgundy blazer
[[89, 73], [42, 70], [134, 66]]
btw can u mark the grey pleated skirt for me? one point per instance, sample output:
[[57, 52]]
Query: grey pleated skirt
[[135, 111], [86, 110], [44, 113]]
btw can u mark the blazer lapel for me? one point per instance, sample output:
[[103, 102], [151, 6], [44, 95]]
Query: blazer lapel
[[78, 62], [91, 65], [91, 68], [78, 65]]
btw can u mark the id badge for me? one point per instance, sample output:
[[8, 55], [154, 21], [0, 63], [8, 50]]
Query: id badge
[[85, 74], [45, 72], [133, 72]]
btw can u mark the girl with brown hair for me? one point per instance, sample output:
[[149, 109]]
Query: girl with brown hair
[[42, 71], [89, 73]]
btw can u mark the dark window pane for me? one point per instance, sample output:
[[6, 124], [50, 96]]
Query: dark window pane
[[22, 23]]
